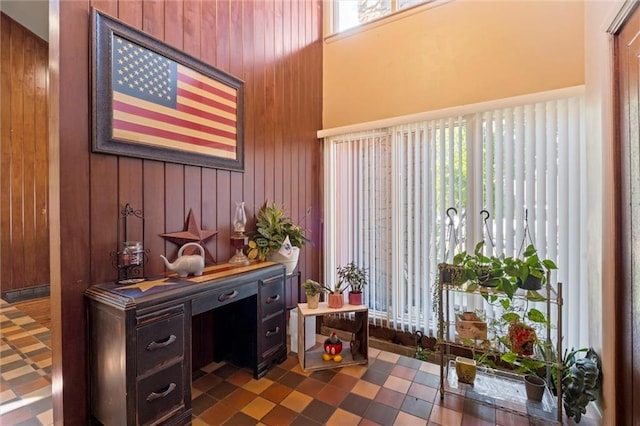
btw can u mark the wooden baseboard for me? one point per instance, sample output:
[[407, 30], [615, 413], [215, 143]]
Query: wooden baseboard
[[20, 295]]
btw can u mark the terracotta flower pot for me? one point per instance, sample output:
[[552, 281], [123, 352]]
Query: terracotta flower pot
[[356, 298], [336, 300]]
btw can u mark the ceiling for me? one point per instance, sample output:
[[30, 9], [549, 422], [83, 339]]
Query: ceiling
[[32, 14]]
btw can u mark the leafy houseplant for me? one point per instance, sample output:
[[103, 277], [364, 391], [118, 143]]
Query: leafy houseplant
[[354, 277], [486, 271], [529, 272], [272, 230], [313, 289], [580, 381]]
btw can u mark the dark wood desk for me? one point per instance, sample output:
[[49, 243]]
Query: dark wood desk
[[140, 338]]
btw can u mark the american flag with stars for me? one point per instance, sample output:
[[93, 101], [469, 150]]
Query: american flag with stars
[[161, 103]]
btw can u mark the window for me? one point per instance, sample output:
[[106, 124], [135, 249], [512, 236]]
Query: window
[[351, 13], [388, 191]]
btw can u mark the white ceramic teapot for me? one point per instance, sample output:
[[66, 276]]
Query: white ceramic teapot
[[187, 264]]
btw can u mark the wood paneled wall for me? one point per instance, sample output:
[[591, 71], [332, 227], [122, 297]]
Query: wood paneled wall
[[24, 138], [275, 47]]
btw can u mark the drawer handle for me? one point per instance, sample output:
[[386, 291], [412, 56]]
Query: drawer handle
[[270, 333], [228, 296], [273, 298], [154, 395], [159, 345]]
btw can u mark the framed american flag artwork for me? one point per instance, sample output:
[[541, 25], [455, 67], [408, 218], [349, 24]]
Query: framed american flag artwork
[[153, 101]]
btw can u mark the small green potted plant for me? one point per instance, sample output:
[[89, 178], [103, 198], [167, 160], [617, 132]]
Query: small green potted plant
[[528, 272], [355, 278], [276, 234], [336, 297], [313, 289]]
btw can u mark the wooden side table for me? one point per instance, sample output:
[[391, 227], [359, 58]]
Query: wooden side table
[[354, 352]]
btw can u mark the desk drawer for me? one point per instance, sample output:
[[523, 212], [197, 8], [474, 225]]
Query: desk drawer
[[272, 296], [160, 393], [272, 335], [159, 342], [215, 299]]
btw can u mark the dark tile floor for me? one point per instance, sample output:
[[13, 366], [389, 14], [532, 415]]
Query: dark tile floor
[[390, 390]]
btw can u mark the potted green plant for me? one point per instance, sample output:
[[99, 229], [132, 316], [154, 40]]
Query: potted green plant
[[528, 272], [451, 274], [336, 297], [486, 271], [355, 278], [581, 381], [276, 238], [313, 289], [534, 382]]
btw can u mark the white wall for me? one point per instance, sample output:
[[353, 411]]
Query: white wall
[[600, 218]]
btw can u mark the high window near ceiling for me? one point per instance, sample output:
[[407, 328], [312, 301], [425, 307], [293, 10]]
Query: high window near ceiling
[[388, 191], [352, 13]]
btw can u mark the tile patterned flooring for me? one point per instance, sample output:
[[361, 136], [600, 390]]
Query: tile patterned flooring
[[25, 369], [390, 390]]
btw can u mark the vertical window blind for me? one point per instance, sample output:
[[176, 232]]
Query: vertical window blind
[[388, 191]]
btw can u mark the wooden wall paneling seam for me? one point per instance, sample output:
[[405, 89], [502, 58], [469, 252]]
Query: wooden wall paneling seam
[[280, 169], [29, 149], [208, 33], [153, 18], [5, 155], [248, 75], [223, 215], [130, 12], [210, 206], [236, 57], [174, 204], [173, 23], [286, 111], [260, 104], [153, 172], [105, 205], [175, 215], [41, 165], [222, 36], [192, 28], [269, 122], [17, 153]]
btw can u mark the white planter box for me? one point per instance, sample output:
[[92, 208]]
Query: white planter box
[[310, 331]]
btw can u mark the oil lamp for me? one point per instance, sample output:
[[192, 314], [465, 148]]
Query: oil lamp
[[238, 239]]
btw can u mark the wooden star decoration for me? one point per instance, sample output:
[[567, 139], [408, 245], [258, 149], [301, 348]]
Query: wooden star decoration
[[193, 234]]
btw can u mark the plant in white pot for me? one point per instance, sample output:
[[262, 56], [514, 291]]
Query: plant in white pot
[[276, 238], [355, 278], [313, 289]]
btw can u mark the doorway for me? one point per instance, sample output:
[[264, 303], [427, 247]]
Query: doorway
[[627, 181]]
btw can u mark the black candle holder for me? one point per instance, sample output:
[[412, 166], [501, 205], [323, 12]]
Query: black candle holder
[[130, 256]]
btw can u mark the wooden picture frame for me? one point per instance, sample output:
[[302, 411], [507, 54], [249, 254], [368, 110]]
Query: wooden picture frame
[[150, 100]]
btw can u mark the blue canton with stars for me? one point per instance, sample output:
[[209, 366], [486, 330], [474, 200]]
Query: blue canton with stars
[[144, 74]]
